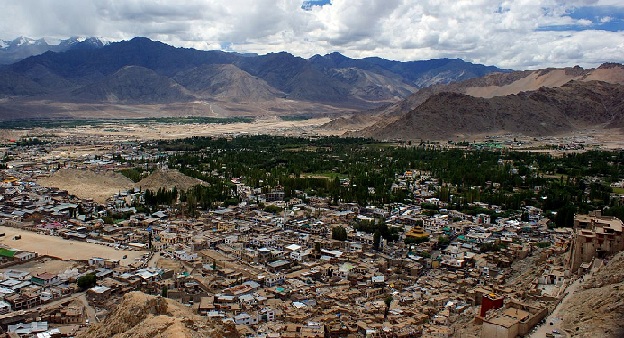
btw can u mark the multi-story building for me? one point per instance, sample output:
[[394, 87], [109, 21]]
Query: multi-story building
[[595, 236]]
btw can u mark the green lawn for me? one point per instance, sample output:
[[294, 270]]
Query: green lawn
[[619, 191], [329, 176]]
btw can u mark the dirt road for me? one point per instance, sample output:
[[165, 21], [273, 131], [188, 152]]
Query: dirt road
[[556, 317]]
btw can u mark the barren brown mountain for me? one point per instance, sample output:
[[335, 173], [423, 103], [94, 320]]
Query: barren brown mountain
[[546, 111], [541, 102], [226, 82]]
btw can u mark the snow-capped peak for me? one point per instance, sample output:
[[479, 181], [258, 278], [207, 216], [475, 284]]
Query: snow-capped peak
[[93, 41], [22, 40]]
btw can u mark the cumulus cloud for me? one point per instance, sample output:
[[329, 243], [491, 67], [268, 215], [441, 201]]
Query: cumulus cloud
[[507, 33]]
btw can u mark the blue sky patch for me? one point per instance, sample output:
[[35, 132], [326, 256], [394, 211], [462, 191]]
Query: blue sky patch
[[605, 18], [308, 4]]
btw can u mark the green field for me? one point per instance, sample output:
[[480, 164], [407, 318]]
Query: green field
[[619, 191], [49, 123], [329, 175]]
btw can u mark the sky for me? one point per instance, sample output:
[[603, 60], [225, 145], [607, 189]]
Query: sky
[[518, 34]]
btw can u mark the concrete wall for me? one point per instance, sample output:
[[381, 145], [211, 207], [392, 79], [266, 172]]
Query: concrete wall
[[496, 331]]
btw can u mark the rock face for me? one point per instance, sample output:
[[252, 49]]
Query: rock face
[[143, 316], [597, 310]]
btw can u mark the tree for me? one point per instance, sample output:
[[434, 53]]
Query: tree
[[376, 239], [443, 241], [87, 281], [339, 233], [412, 240], [274, 209], [388, 300]]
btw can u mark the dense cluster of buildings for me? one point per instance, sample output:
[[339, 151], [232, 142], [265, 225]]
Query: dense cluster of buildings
[[283, 275]]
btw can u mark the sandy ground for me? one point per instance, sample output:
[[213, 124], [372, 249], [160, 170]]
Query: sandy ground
[[555, 78], [62, 248], [87, 183], [45, 265], [152, 131], [107, 134]]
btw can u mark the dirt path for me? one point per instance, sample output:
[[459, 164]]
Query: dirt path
[[556, 317], [153, 262], [89, 309]]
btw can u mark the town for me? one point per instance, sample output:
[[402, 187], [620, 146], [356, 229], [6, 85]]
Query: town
[[298, 256]]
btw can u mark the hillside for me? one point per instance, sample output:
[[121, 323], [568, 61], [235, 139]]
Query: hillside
[[133, 84], [587, 313], [168, 179], [226, 81], [509, 83], [496, 103], [143, 316], [546, 111], [87, 183], [100, 186]]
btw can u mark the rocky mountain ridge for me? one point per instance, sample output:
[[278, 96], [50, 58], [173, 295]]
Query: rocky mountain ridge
[[22, 47], [540, 102], [142, 71]]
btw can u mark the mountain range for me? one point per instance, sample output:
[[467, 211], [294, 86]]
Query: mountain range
[[371, 97], [145, 72], [22, 47], [534, 102]]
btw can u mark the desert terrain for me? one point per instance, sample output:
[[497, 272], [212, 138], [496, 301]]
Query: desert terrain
[[129, 130]]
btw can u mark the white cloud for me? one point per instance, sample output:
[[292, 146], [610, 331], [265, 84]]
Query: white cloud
[[506, 33]]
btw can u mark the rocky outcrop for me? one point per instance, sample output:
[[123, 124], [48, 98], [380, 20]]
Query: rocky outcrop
[[597, 310], [143, 316]]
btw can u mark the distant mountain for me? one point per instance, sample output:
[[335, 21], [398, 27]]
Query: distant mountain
[[145, 71], [23, 47], [490, 85], [133, 85], [542, 102], [226, 81]]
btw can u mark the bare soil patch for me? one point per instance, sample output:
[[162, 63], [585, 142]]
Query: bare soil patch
[[62, 248], [88, 183], [168, 179], [47, 264]]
